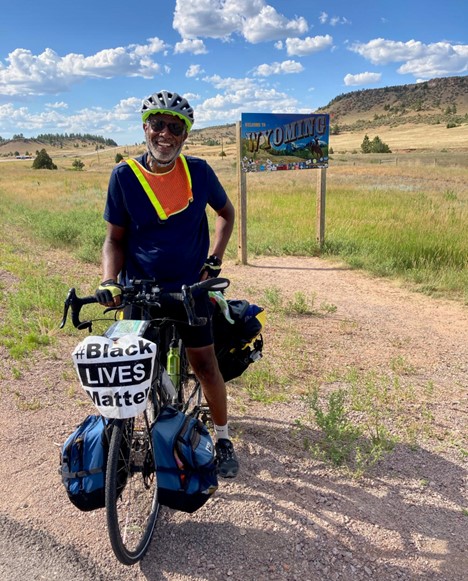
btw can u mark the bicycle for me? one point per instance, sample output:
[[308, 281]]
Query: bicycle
[[131, 498]]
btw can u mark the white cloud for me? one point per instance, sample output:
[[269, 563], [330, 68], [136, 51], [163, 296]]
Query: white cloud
[[49, 73], [419, 59], [361, 79], [339, 20], [255, 20], [192, 96], [334, 20], [194, 46], [308, 45], [232, 83], [286, 67], [57, 105], [269, 25], [154, 45], [126, 108], [95, 120], [193, 71], [251, 97]]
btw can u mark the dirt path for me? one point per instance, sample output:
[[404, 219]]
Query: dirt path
[[287, 516]]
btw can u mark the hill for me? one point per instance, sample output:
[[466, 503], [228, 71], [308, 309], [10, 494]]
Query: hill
[[75, 143], [439, 101]]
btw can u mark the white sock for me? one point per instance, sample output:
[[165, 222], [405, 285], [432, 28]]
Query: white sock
[[222, 432]]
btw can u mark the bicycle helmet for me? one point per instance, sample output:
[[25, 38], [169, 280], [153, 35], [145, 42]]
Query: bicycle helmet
[[167, 102]]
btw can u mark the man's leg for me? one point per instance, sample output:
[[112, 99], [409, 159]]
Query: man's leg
[[205, 366]]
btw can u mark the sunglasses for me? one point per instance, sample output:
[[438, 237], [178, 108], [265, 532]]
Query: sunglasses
[[175, 128]]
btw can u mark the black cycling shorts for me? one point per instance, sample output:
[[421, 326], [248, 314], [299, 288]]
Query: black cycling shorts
[[192, 336]]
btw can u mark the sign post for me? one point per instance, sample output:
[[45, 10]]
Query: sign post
[[320, 205], [241, 202]]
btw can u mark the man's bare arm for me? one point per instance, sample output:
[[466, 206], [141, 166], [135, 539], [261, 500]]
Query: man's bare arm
[[113, 252]]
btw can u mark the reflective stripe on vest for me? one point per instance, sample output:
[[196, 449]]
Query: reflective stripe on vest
[[162, 214]]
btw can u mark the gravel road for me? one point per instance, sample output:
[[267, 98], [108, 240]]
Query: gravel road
[[288, 516]]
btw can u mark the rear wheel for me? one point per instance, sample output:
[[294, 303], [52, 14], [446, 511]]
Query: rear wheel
[[190, 393], [131, 489]]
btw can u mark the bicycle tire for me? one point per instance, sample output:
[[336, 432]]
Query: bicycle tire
[[131, 489]]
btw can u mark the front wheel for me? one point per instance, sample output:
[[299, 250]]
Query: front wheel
[[131, 489]]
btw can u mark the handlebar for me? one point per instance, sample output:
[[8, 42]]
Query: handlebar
[[145, 293]]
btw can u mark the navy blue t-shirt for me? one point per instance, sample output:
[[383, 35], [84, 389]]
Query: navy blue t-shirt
[[170, 251]]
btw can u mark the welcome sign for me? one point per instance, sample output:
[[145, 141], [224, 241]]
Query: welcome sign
[[275, 142], [116, 375]]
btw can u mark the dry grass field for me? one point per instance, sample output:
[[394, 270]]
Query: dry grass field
[[433, 138]]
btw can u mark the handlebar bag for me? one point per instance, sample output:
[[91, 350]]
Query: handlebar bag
[[185, 461]]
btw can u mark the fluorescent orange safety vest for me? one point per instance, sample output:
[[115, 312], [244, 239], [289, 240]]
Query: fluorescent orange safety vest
[[171, 192]]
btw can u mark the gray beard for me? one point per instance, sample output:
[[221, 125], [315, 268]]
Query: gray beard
[[157, 162]]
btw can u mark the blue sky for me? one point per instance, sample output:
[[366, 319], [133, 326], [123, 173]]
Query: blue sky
[[84, 67]]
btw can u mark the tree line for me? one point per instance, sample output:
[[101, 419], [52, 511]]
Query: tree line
[[58, 138]]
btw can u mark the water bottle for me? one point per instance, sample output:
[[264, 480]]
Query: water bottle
[[173, 363]]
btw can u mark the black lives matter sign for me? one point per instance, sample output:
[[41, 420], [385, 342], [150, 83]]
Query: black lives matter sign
[[116, 375]]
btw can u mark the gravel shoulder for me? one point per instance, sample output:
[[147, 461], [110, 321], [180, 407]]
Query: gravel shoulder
[[288, 515]]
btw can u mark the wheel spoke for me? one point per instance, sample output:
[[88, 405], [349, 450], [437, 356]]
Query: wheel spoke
[[131, 489]]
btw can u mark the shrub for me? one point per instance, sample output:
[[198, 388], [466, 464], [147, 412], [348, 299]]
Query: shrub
[[43, 161], [78, 164], [374, 146]]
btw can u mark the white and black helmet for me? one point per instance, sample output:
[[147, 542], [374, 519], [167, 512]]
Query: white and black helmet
[[170, 103]]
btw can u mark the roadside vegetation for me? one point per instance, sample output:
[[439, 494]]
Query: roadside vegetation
[[401, 222]]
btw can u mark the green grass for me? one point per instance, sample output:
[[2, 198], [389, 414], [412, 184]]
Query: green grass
[[29, 318], [417, 237], [408, 227], [362, 420], [80, 230], [406, 223], [300, 304]]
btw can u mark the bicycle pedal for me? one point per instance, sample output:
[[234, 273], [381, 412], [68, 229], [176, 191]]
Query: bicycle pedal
[[205, 415]]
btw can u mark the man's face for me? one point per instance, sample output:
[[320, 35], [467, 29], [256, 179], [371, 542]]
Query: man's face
[[165, 136]]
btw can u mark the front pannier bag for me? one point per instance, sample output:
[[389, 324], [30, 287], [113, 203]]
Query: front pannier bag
[[185, 461], [83, 462]]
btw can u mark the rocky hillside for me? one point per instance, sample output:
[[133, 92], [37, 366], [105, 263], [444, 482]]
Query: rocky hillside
[[433, 102]]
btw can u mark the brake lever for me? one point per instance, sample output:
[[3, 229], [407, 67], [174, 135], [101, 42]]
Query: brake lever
[[76, 303], [66, 306]]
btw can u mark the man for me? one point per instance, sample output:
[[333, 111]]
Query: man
[[157, 229]]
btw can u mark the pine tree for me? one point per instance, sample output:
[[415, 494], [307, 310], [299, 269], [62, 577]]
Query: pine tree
[[366, 145], [43, 161]]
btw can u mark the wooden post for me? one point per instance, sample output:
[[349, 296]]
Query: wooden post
[[241, 202], [320, 213]]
